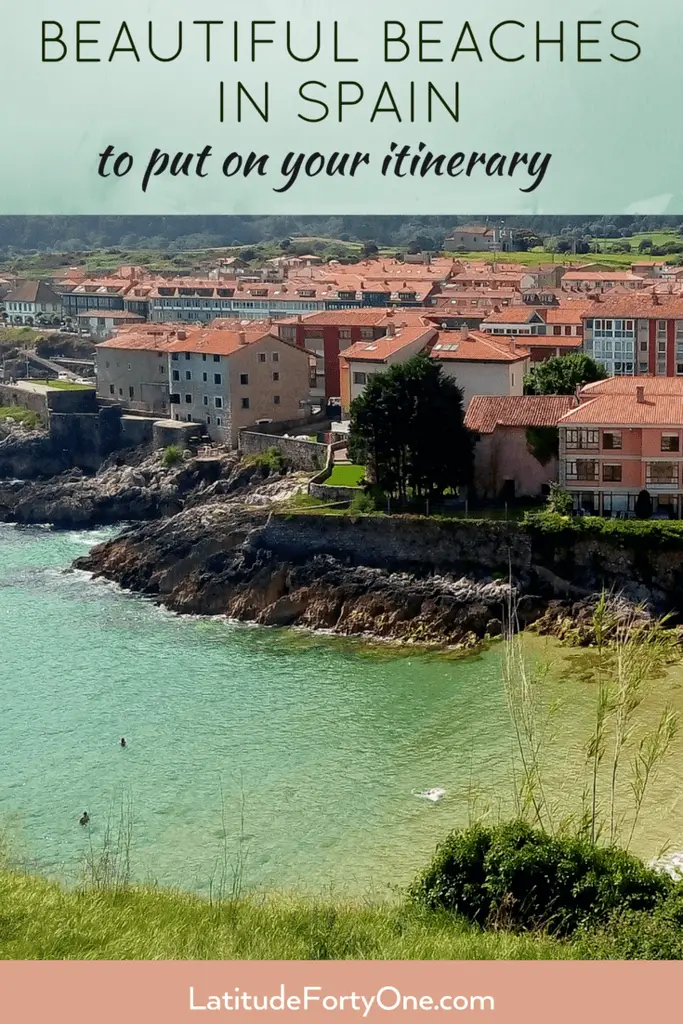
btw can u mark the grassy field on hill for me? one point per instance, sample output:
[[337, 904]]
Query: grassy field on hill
[[39, 920]]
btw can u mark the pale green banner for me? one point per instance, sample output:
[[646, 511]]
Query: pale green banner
[[210, 106]]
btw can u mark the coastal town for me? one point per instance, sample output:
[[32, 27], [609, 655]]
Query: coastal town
[[370, 562], [282, 348]]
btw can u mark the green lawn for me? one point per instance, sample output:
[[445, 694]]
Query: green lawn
[[41, 921], [345, 475], [64, 385]]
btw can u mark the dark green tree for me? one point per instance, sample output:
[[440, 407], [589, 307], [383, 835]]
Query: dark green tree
[[408, 429], [561, 375]]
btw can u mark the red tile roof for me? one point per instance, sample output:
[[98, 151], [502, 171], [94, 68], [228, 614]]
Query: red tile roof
[[636, 306], [618, 410], [628, 386], [477, 347], [486, 412], [381, 348]]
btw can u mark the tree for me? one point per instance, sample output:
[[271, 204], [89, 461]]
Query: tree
[[645, 244], [286, 244], [561, 375], [408, 429], [643, 506], [370, 248]]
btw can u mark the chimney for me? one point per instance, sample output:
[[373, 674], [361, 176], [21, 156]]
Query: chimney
[[391, 330], [464, 333], [640, 395], [181, 335], [242, 337], [655, 299]]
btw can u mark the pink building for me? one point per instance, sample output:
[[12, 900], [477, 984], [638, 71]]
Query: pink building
[[624, 437], [505, 463]]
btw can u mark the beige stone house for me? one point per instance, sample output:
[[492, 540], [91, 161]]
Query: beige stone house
[[229, 379]]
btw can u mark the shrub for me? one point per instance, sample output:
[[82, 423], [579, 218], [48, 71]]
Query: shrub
[[524, 878], [638, 934], [270, 461], [364, 504], [30, 420], [626, 531], [173, 454], [559, 500]]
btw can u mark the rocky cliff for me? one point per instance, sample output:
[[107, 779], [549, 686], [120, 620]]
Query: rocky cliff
[[405, 578]]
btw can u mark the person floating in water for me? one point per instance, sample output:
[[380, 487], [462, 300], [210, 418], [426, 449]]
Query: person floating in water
[[123, 741], [84, 818]]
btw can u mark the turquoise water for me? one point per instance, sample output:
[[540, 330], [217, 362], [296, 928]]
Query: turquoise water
[[304, 753]]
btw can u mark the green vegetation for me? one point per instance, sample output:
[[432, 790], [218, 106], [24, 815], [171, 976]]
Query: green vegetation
[[561, 375], [30, 420], [42, 921], [63, 385], [362, 504], [649, 531], [518, 877], [544, 443], [269, 461], [173, 454], [343, 475], [396, 425]]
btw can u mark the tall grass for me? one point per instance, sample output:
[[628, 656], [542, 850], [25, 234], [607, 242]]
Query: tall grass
[[622, 754]]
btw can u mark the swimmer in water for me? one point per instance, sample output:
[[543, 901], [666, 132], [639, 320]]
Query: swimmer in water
[[84, 818], [123, 741]]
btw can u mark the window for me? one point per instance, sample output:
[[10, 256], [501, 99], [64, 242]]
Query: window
[[120, 391], [216, 359], [345, 334], [131, 392], [206, 399], [582, 470], [276, 399], [111, 389], [245, 403], [276, 357], [557, 330], [659, 473], [187, 355], [276, 376], [583, 439], [611, 474], [174, 357], [643, 346], [217, 379], [205, 377], [612, 440], [244, 379], [218, 421], [360, 378], [661, 329], [174, 399], [203, 357], [188, 399], [162, 368], [188, 374], [670, 443], [262, 357], [176, 375]]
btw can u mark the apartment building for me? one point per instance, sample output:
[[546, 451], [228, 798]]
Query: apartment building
[[636, 334], [546, 332], [601, 280], [625, 436], [363, 359], [132, 368], [329, 334], [232, 379], [30, 300], [481, 364]]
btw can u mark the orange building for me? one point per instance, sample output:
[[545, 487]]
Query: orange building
[[625, 436]]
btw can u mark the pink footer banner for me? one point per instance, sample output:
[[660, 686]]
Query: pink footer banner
[[179, 992]]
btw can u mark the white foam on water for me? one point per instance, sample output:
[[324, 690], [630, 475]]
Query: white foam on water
[[433, 795], [670, 864]]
